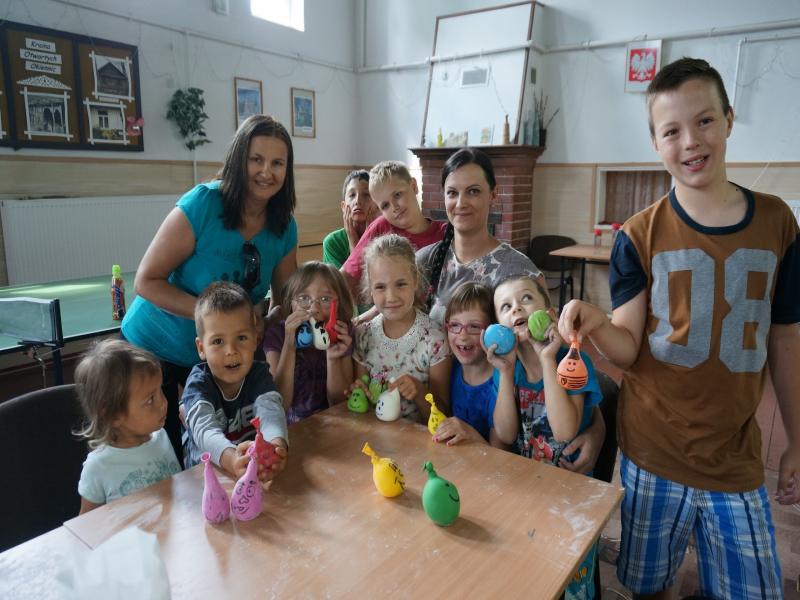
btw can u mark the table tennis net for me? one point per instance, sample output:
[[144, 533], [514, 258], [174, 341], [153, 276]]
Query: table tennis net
[[31, 320]]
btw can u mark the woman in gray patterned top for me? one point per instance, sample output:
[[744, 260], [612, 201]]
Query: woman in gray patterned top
[[468, 252]]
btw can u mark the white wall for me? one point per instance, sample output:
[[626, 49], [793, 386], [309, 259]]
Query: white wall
[[169, 60], [374, 116], [598, 121]]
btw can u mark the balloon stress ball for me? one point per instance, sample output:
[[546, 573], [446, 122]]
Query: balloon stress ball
[[440, 498]]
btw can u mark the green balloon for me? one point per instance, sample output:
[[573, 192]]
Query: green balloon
[[375, 389], [538, 323], [357, 402], [440, 498]]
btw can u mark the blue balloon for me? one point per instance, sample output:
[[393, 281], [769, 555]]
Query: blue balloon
[[305, 337], [500, 335]]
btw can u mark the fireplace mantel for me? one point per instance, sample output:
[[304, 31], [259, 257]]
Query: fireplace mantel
[[513, 170]]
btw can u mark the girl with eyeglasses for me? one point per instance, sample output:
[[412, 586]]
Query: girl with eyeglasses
[[310, 380], [237, 228], [401, 346], [472, 388]]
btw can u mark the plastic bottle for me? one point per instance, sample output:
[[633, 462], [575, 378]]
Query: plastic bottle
[[117, 294]]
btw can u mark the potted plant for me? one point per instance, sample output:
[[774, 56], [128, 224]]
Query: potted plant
[[540, 105], [185, 108]]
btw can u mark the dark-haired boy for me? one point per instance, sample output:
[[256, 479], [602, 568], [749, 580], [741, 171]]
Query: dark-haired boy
[[705, 289], [230, 388]]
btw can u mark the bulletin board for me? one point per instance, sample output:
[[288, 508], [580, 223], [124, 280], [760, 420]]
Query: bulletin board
[[67, 91]]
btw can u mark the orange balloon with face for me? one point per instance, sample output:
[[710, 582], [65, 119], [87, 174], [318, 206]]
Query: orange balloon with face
[[572, 373]]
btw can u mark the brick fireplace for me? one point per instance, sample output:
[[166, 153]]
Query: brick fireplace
[[510, 220]]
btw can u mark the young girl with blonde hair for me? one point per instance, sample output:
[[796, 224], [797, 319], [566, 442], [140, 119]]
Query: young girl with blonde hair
[[401, 346]]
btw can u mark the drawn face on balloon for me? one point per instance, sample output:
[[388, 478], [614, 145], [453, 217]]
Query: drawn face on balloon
[[452, 492], [440, 498], [357, 402], [321, 338], [388, 407], [304, 337], [572, 373]]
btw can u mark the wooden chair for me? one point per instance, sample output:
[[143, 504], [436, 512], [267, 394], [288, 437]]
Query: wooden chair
[[43, 461]]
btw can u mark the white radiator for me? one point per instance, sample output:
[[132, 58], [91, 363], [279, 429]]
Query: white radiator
[[68, 238]]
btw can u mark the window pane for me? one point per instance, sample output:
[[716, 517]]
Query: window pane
[[289, 13]]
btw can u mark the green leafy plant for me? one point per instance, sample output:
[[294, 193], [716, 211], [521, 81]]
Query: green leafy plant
[[185, 108]]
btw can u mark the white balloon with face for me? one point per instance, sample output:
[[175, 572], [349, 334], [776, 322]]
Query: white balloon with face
[[388, 407], [321, 338]]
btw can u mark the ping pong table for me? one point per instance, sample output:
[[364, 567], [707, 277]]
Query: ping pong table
[[85, 306]]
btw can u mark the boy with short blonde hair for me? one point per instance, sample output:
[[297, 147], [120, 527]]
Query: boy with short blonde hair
[[394, 191], [705, 291]]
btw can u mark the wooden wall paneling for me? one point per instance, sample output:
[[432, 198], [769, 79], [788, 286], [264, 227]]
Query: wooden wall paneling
[[319, 194], [563, 204], [782, 180], [38, 177], [307, 253]]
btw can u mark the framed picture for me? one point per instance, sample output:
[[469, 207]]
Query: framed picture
[[304, 119], [641, 65], [248, 98], [112, 76]]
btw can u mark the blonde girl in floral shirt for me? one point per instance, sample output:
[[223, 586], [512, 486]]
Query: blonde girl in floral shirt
[[402, 346]]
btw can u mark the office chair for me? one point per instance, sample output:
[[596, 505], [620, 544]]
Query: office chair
[[42, 465], [539, 249]]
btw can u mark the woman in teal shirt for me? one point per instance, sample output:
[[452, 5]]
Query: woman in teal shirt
[[237, 228]]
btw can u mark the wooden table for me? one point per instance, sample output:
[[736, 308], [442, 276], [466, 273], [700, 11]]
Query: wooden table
[[29, 570], [325, 531], [585, 253]]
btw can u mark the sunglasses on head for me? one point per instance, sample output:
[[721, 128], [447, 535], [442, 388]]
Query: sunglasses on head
[[252, 266]]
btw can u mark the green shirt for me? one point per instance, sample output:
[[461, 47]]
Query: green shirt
[[335, 248]]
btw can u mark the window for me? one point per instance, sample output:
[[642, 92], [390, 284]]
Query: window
[[102, 118], [624, 191], [289, 13]]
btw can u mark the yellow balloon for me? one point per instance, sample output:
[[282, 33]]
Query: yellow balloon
[[386, 475], [436, 417]]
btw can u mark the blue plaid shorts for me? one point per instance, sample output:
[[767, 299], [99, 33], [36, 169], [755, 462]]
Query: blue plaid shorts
[[734, 534]]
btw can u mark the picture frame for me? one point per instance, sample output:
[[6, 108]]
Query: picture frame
[[248, 98], [642, 62], [304, 118]]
